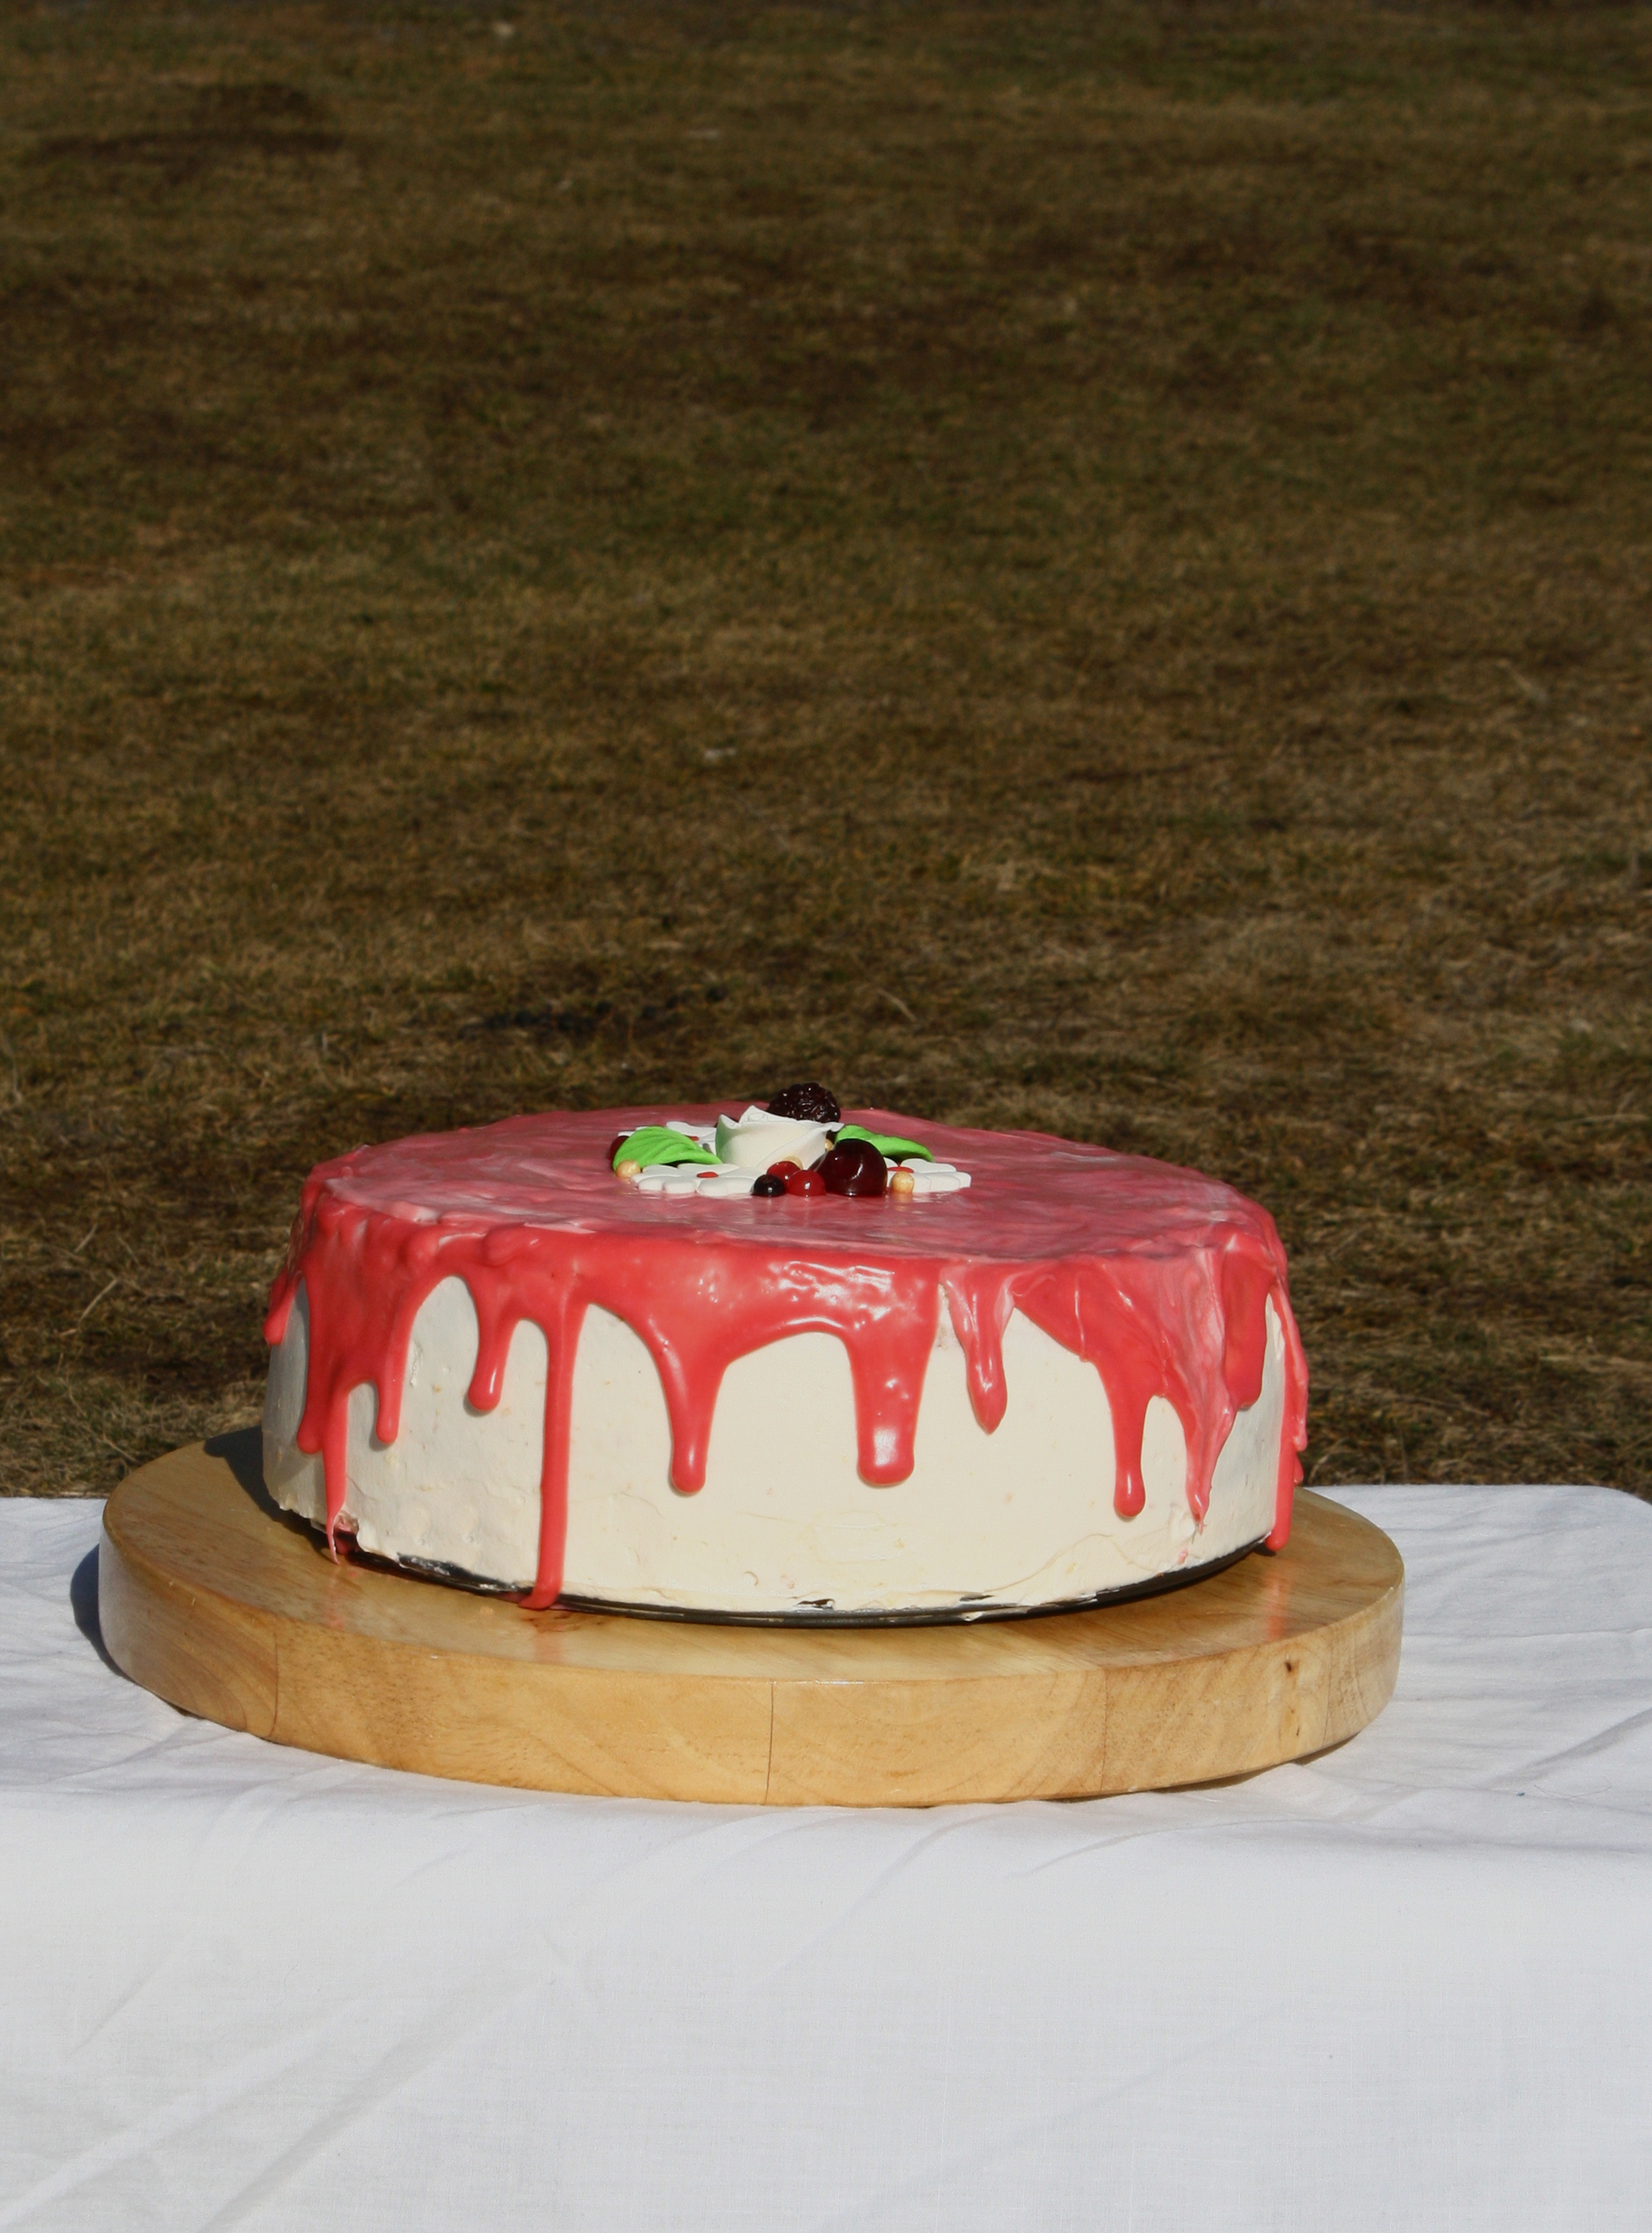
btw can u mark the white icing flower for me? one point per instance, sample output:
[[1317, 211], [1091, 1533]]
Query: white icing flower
[[757, 1140], [935, 1178], [703, 1136]]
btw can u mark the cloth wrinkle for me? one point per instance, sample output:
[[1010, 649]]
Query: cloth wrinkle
[[935, 1831]]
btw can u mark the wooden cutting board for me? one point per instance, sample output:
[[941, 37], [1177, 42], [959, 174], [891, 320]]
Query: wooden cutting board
[[214, 1599]]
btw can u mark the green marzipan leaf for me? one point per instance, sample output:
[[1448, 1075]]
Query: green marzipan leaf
[[887, 1143], [658, 1143]]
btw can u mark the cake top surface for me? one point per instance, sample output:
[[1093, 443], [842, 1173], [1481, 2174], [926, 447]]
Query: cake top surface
[[1034, 1197]]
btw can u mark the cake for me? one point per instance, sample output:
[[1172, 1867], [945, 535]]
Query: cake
[[783, 1363]]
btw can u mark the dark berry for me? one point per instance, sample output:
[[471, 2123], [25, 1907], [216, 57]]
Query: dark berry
[[809, 1104], [768, 1184], [784, 1167], [616, 1143], [805, 1182], [855, 1167]]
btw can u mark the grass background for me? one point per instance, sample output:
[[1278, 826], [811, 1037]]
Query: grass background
[[1079, 566]]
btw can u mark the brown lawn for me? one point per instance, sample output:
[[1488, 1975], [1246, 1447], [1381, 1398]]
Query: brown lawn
[[1083, 566]]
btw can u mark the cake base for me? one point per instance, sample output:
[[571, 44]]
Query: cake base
[[809, 1616], [213, 1598]]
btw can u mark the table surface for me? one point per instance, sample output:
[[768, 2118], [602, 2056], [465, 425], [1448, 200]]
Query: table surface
[[1406, 1984]]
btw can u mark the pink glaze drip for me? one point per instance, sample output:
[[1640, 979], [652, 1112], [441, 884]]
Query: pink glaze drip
[[1157, 1277]]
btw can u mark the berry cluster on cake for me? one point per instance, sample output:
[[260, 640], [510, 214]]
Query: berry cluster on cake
[[784, 1362], [797, 1143]]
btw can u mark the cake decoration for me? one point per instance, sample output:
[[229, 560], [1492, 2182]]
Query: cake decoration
[[855, 1167], [655, 1145], [728, 1160], [811, 1104], [887, 1143], [758, 1138]]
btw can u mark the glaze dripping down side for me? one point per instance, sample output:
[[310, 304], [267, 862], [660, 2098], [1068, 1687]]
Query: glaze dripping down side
[[1158, 1278]]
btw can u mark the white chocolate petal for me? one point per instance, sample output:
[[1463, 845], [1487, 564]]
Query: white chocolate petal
[[759, 1140]]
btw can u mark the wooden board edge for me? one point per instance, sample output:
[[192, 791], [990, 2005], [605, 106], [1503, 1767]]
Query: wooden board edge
[[1269, 1705], [1091, 1735], [472, 1719], [198, 1651], [759, 1738]]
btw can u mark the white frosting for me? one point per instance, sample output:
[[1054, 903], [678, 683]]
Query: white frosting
[[1021, 1517]]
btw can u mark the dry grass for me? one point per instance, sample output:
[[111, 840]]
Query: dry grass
[[1082, 566]]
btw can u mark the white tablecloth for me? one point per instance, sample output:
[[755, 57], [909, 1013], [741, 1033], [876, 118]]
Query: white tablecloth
[[1408, 1985]]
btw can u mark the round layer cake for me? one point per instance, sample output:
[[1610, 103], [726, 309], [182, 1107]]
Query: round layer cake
[[914, 1372]]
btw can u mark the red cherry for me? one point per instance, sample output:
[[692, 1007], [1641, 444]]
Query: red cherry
[[855, 1167], [805, 1182], [784, 1167], [616, 1143]]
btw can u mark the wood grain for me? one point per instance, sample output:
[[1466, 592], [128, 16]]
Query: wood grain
[[215, 1600]]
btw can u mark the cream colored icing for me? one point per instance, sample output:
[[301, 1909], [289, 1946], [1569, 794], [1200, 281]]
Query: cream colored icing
[[1021, 1517]]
